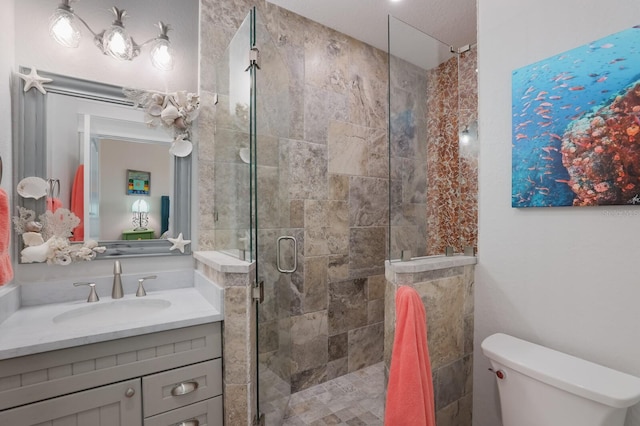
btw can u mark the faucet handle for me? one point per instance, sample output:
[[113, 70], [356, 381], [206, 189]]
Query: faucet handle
[[117, 268], [140, 292], [93, 295]]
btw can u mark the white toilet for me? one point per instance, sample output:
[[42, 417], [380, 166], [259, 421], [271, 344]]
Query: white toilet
[[539, 386]]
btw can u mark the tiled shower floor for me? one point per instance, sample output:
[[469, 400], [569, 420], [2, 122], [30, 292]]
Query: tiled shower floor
[[354, 399]]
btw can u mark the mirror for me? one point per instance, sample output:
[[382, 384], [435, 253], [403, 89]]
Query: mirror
[[89, 141]]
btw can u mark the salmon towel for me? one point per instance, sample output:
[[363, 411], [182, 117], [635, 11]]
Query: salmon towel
[[410, 390], [77, 203], [6, 271], [53, 204]]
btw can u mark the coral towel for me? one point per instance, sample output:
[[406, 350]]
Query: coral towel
[[77, 203], [53, 204], [6, 271], [410, 390]]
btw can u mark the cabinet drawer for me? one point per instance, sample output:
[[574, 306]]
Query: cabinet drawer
[[117, 404], [181, 386], [205, 413]]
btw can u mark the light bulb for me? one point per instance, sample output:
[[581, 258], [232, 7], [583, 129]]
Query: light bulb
[[465, 137], [63, 27], [162, 54], [117, 43]]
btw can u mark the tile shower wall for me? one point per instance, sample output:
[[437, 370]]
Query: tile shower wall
[[447, 295], [468, 155], [433, 177], [452, 169], [335, 165]]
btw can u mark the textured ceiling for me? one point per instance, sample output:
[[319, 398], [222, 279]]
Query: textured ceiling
[[453, 22]]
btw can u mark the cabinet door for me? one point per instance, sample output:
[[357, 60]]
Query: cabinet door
[[119, 404]]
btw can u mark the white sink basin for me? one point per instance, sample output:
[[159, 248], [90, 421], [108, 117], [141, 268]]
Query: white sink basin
[[114, 312]]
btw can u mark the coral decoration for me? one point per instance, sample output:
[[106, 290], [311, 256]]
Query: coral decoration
[[48, 240], [601, 152]]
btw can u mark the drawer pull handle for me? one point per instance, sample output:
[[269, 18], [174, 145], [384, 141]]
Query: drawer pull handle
[[192, 422], [129, 392], [184, 388]]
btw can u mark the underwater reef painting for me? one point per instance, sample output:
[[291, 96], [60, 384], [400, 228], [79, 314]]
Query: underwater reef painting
[[576, 126]]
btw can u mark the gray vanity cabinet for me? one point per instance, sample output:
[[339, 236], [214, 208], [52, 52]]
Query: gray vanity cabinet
[[158, 379]]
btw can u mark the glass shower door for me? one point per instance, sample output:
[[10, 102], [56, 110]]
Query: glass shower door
[[277, 241], [252, 196], [231, 156], [421, 122]]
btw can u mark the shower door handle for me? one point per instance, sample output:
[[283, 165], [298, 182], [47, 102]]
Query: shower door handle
[[295, 255]]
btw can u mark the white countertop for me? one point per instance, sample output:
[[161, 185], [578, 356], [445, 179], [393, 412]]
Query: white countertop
[[32, 329]]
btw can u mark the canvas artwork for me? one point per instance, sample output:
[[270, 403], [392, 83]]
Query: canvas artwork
[[576, 126]]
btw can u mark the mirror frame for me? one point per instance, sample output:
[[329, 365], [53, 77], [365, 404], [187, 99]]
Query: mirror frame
[[30, 159]]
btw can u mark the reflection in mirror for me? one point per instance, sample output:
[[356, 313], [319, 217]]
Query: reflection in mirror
[[86, 138]]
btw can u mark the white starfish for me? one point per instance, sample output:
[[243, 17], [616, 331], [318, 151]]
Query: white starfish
[[178, 243], [34, 80]]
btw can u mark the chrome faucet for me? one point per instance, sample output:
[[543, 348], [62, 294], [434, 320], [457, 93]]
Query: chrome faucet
[[117, 292], [93, 295], [141, 292]]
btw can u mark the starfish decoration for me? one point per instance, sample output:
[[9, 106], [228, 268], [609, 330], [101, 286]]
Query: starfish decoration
[[178, 243], [34, 80]]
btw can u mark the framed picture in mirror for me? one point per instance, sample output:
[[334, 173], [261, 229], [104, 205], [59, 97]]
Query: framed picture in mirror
[[138, 182]]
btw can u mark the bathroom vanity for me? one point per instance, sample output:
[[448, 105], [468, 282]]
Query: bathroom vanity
[[153, 361]]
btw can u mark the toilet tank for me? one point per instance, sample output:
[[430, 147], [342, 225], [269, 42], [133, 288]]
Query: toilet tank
[[542, 386]]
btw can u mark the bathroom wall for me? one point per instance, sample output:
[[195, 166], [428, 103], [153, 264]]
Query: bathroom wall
[[34, 46], [6, 66], [561, 277], [115, 213], [337, 191]]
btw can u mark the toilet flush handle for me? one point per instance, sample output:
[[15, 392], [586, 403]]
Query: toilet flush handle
[[499, 374]]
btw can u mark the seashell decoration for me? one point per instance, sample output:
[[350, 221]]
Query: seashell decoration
[[169, 115], [36, 254], [154, 110], [33, 226], [175, 111], [245, 156], [32, 239], [32, 187], [181, 147]]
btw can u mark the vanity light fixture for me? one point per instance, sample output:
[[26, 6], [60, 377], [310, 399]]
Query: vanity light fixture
[[140, 210], [114, 41]]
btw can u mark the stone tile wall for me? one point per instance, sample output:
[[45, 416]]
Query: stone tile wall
[[238, 335], [447, 295]]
